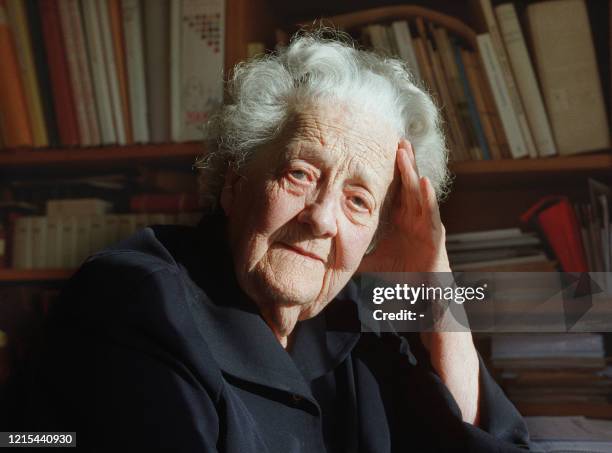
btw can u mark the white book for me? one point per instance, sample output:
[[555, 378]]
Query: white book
[[494, 243], [485, 235], [141, 220], [83, 238], [499, 50], [97, 233], [509, 120], [110, 64], [77, 206], [134, 55], [22, 243], [111, 229], [157, 219], [54, 242], [525, 78], [157, 43], [76, 81], [68, 251], [98, 70], [127, 226], [405, 46], [39, 242], [176, 111], [503, 262], [169, 219], [202, 50]]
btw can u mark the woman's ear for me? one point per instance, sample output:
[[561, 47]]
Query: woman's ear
[[228, 193]]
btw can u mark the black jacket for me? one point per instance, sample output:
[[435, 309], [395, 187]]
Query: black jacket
[[153, 345]]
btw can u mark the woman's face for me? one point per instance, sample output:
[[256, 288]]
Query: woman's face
[[305, 209]]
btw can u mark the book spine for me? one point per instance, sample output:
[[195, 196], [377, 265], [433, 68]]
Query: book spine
[[516, 104], [403, 37], [202, 50], [14, 122], [63, 102], [569, 78], [76, 79], [54, 242], [116, 24], [156, 27], [68, 256], [23, 45], [111, 71], [484, 115], [526, 79], [22, 243], [99, 74], [132, 31], [39, 242], [471, 104], [176, 110], [83, 62], [501, 96], [42, 70]]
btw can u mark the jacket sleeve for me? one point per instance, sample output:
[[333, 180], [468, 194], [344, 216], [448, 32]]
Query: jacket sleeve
[[501, 428], [109, 374]]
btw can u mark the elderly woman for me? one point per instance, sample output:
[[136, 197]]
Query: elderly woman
[[242, 334]]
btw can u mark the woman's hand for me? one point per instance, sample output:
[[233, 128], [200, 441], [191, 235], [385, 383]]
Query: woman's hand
[[416, 242], [416, 238]]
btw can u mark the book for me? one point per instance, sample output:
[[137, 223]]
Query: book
[[112, 75], [99, 73], [485, 115], [472, 108], [494, 72], [567, 68], [525, 78], [556, 221], [17, 15], [77, 80], [39, 53], [405, 46], [22, 243], [486, 17], [14, 120], [39, 242], [202, 59], [77, 206], [61, 90], [134, 49], [175, 32], [157, 43], [116, 25]]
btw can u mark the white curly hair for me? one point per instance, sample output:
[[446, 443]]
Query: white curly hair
[[317, 65]]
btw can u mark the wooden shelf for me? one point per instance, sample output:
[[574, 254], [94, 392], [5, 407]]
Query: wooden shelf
[[34, 275], [588, 162], [22, 158], [567, 409]]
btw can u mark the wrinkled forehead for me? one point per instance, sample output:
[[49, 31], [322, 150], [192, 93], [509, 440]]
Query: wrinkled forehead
[[342, 133]]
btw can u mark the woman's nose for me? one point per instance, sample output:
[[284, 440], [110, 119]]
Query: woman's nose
[[321, 215]]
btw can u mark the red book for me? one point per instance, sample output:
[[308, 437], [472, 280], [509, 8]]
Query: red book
[[58, 71], [556, 220], [164, 203]]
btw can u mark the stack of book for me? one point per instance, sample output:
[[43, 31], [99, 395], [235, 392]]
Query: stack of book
[[578, 234], [508, 250], [101, 72], [565, 434], [505, 99], [552, 369], [72, 229]]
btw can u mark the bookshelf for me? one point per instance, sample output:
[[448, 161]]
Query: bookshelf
[[485, 194]]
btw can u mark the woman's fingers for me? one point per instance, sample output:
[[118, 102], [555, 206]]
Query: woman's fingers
[[411, 190], [431, 209]]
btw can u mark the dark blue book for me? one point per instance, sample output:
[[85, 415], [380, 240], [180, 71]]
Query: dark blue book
[[482, 142]]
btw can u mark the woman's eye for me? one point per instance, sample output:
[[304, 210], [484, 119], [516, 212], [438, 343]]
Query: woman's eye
[[358, 202], [300, 175]]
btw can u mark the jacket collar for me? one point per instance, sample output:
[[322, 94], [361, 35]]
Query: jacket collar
[[239, 339]]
